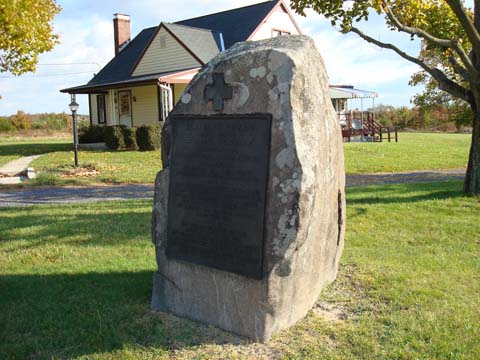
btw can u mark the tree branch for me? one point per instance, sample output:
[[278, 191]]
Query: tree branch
[[445, 43], [444, 83], [467, 23], [459, 69]]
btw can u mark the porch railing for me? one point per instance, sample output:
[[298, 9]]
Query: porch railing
[[363, 125]]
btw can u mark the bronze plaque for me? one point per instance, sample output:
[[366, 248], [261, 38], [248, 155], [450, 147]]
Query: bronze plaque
[[218, 180]]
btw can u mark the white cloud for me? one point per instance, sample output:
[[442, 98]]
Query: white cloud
[[350, 60]]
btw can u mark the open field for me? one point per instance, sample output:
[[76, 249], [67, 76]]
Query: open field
[[75, 281], [414, 151]]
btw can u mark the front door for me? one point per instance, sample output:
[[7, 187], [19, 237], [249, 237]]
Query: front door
[[125, 108]]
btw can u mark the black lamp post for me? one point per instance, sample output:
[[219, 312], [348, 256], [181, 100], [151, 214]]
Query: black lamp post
[[74, 107]]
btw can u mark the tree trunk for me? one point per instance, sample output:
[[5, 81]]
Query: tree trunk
[[472, 177]]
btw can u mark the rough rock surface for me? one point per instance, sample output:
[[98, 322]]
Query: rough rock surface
[[305, 209]]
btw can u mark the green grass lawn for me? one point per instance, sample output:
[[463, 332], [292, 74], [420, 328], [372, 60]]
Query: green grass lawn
[[414, 151], [75, 282], [12, 148], [114, 167]]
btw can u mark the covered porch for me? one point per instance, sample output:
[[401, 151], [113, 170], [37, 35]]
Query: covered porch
[[145, 100]]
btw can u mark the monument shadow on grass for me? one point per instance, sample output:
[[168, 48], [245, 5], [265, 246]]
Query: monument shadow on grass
[[108, 232], [65, 316]]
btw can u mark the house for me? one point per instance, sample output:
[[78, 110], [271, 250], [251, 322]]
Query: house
[[148, 74]]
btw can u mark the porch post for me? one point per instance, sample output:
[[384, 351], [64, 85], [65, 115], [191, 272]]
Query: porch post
[[112, 106], [166, 96]]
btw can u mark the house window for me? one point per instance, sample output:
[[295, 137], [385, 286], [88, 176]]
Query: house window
[[101, 109], [276, 32]]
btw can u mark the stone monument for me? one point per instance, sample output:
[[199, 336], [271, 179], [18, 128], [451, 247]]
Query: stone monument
[[249, 211]]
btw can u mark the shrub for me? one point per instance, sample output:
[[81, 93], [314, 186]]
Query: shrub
[[148, 137], [57, 121], [130, 138], [82, 121], [21, 121], [6, 125], [51, 121], [43, 121], [114, 137], [92, 134]]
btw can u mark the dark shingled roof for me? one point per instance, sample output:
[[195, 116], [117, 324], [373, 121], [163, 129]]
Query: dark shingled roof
[[235, 25], [120, 66]]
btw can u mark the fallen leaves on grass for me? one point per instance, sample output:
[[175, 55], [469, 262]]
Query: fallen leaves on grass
[[87, 170]]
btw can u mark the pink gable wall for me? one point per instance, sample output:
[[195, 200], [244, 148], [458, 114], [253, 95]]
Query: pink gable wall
[[279, 19]]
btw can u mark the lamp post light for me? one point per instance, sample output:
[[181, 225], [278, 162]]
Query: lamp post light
[[73, 108]]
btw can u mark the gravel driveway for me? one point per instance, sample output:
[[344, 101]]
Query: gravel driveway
[[64, 195]]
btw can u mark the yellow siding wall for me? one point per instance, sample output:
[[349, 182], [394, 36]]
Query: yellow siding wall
[[145, 108], [172, 57], [178, 90]]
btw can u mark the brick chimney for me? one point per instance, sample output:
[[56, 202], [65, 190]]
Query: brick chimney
[[121, 30]]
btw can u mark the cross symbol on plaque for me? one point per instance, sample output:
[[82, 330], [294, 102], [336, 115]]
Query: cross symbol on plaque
[[218, 91]]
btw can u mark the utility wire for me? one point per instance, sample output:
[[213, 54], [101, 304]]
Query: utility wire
[[50, 75], [68, 64], [53, 75]]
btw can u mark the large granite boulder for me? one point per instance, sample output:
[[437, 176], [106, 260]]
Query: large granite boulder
[[304, 217]]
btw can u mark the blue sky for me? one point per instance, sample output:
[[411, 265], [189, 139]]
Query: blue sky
[[86, 35]]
